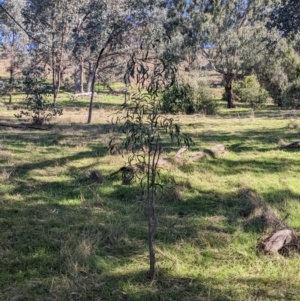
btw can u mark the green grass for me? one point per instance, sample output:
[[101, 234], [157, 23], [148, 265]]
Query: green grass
[[64, 237]]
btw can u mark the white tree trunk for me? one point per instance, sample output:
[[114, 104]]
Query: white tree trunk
[[90, 77]]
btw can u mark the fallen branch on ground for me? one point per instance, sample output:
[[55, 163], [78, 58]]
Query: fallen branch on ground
[[280, 239], [293, 145], [78, 95], [213, 152], [23, 126]]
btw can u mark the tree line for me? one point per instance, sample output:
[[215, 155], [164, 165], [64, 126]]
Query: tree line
[[93, 40]]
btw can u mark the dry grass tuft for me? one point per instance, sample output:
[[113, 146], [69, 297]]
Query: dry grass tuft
[[257, 209], [293, 125]]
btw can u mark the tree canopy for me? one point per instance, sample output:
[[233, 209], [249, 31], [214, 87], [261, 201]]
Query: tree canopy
[[287, 17], [94, 39]]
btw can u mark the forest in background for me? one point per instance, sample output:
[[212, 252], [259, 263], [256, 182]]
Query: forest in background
[[75, 45]]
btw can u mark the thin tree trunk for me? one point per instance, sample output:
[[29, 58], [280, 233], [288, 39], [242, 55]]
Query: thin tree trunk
[[12, 67], [56, 88], [53, 65], [228, 78], [81, 75], [153, 226], [152, 217], [151, 256], [11, 80], [150, 213], [53, 79], [279, 101], [126, 96], [58, 68], [94, 74], [93, 85], [90, 78], [76, 79]]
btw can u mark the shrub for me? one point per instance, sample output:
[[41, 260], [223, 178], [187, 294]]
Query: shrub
[[250, 91], [291, 95], [38, 109], [204, 100], [187, 98], [178, 98]]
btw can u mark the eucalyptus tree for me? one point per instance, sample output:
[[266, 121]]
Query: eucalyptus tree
[[283, 67], [13, 40], [110, 30], [286, 18], [279, 68], [100, 34], [91, 35], [231, 35], [51, 23]]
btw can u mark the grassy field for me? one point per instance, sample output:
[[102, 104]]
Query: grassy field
[[65, 237]]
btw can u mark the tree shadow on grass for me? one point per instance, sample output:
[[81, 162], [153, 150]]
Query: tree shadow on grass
[[81, 103], [22, 141], [73, 254], [171, 287], [25, 168], [243, 111], [84, 250], [225, 166], [247, 140], [55, 134]]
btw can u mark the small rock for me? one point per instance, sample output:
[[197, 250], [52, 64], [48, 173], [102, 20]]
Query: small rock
[[96, 177]]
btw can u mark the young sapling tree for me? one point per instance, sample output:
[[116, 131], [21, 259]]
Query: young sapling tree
[[145, 129], [38, 108]]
